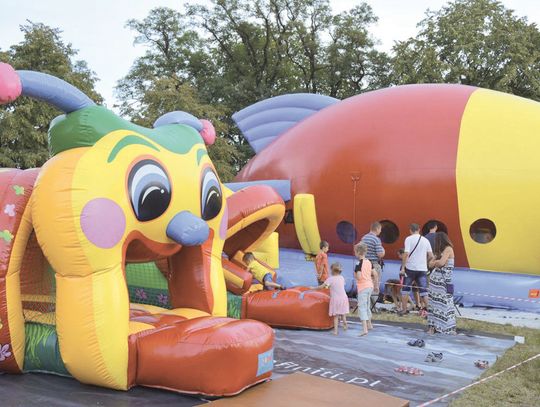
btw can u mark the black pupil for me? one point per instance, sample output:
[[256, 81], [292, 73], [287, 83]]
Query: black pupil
[[155, 202], [212, 206]]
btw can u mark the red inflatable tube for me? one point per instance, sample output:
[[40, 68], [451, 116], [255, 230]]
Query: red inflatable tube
[[207, 355], [298, 307], [237, 278]]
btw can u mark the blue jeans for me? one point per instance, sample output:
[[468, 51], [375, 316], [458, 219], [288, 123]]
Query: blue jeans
[[421, 281], [364, 304]]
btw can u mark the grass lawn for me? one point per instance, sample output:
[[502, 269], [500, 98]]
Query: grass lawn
[[518, 387]]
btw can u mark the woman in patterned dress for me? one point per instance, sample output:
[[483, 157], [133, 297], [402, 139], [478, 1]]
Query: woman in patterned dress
[[441, 313]]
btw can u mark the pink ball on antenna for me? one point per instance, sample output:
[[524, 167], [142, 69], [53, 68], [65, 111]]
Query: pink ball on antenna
[[10, 84], [208, 132]]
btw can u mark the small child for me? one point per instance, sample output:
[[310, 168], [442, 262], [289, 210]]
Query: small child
[[366, 278], [259, 272], [339, 302], [321, 262]]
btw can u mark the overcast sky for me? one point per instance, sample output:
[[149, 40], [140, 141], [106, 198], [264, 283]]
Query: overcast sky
[[96, 28]]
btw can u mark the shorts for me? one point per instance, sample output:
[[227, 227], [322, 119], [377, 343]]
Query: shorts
[[364, 304], [377, 267], [267, 277], [421, 281]]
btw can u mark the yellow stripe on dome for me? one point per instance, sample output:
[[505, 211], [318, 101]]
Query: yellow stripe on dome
[[498, 178]]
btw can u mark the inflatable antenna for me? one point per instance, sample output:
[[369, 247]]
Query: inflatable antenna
[[40, 86], [68, 98]]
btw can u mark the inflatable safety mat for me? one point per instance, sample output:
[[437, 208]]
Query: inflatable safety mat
[[292, 391], [371, 361]]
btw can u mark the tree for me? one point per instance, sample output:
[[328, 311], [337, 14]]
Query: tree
[[473, 42], [24, 123], [176, 73], [231, 54], [269, 47]]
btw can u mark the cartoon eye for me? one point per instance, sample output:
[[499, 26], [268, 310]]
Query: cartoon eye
[[149, 190], [210, 195]]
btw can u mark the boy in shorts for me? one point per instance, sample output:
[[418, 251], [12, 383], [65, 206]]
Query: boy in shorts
[[260, 272]]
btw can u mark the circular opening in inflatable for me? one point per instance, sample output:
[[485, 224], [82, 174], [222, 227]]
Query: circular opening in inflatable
[[389, 231], [441, 227], [483, 231], [346, 232]]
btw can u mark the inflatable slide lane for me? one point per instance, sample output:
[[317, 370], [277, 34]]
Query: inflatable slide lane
[[250, 225]]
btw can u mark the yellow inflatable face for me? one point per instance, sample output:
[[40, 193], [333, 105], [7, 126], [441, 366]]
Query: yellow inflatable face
[[129, 187], [131, 194]]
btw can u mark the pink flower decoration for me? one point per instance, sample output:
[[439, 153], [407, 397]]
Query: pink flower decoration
[[162, 299], [140, 294], [4, 352], [9, 210]]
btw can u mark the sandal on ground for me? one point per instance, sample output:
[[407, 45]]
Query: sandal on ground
[[413, 371], [434, 357], [481, 364], [417, 342]]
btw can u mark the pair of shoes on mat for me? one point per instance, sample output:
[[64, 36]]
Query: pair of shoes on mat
[[413, 371], [481, 364], [417, 342], [434, 357]]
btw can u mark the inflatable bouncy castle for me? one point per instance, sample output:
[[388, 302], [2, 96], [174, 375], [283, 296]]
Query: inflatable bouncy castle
[[114, 195], [462, 157]]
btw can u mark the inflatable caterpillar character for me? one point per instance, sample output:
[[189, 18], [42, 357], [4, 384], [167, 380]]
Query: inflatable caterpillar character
[[116, 193]]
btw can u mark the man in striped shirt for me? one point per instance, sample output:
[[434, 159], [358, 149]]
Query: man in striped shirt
[[375, 250]]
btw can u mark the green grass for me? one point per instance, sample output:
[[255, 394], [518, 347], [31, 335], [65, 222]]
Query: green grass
[[518, 387]]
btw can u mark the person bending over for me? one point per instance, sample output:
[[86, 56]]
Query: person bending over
[[260, 273]]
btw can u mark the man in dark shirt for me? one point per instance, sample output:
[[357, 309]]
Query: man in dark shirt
[[432, 233]]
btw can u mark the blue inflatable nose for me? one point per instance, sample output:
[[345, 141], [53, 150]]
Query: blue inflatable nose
[[187, 229]]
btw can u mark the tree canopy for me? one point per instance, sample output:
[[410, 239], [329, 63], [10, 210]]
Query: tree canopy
[[472, 42], [231, 54], [24, 123]]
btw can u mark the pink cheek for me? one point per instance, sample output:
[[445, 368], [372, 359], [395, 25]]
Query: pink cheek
[[224, 224], [103, 222]]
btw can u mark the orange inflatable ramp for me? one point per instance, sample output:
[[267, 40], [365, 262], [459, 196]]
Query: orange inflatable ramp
[[304, 390]]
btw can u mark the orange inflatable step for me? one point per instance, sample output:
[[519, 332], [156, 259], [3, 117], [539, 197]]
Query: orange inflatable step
[[207, 355], [299, 307]]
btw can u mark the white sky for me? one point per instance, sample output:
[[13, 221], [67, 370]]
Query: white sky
[[96, 27]]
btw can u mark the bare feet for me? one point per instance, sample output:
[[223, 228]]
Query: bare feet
[[345, 327], [362, 334], [370, 325], [334, 332]]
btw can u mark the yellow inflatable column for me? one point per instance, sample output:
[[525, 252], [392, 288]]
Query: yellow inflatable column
[[92, 305], [268, 250], [305, 223]]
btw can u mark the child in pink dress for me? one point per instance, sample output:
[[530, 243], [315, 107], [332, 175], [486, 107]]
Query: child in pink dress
[[339, 302]]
